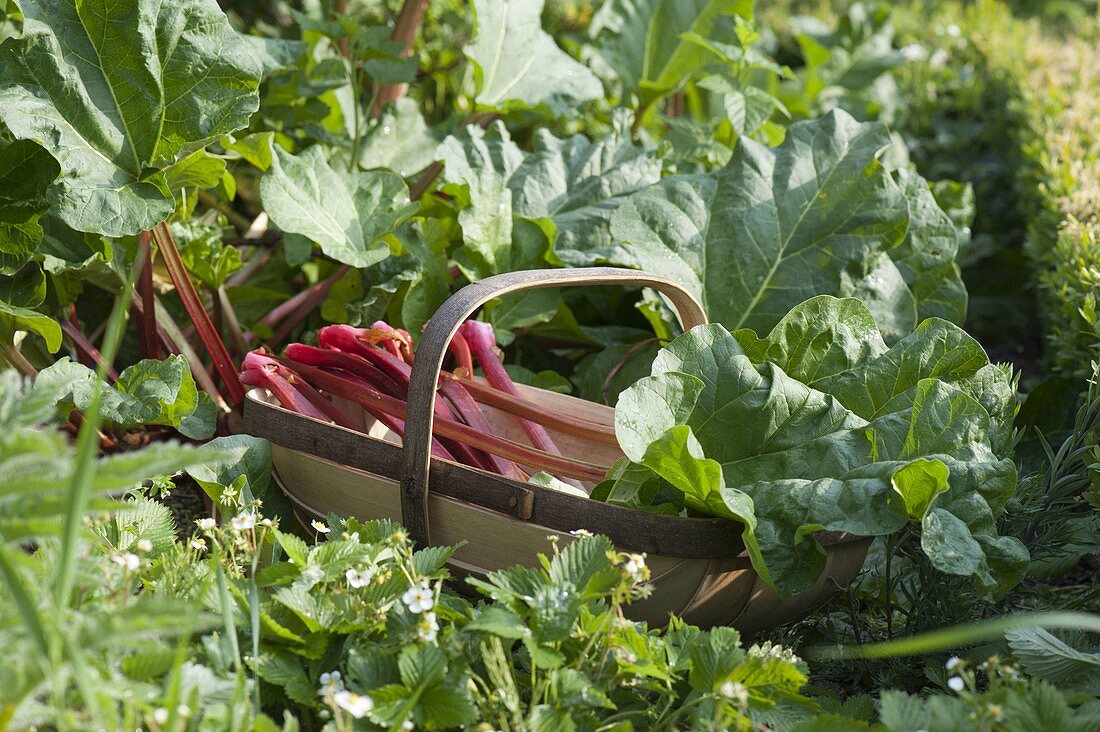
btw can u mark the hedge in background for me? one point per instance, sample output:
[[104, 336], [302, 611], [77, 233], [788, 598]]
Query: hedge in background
[[1063, 237]]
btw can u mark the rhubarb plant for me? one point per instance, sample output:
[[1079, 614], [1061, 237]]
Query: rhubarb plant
[[820, 426]]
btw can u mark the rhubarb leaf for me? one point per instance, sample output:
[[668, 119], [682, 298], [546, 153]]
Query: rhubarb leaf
[[347, 214], [821, 427], [516, 63], [646, 42], [26, 170], [850, 361], [17, 318], [117, 94], [400, 140], [149, 392], [571, 181], [816, 215]]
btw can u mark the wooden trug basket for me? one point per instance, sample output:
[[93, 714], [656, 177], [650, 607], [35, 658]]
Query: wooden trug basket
[[699, 568]]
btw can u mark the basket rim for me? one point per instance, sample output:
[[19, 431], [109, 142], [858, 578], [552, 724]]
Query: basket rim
[[628, 528]]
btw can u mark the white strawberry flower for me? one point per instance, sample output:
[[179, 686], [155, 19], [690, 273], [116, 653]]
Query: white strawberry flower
[[130, 561], [735, 691], [207, 524], [419, 598], [243, 521], [359, 577], [319, 526], [144, 546], [331, 683], [354, 704], [956, 683], [428, 627], [635, 567], [198, 543]]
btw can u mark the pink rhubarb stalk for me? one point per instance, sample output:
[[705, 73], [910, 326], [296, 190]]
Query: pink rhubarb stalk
[[343, 386]]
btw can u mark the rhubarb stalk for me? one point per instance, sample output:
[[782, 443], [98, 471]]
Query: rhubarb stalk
[[191, 302], [372, 399]]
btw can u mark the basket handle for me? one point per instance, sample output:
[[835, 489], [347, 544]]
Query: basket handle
[[441, 329]]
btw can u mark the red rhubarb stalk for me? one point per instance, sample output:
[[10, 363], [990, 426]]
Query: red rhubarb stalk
[[482, 343], [350, 362], [261, 371], [465, 406], [360, 342], [385, 336], [343, 387], [603, 434], [395, 424], [191, 302], [460, 352], [147, 324], [88, 353]]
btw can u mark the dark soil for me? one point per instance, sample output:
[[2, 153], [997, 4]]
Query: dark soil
[[187, 503]]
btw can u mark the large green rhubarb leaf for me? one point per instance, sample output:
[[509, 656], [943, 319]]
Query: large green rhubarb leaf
[[517, 63], [572, 181], [347, 214], [26, 171], [149, 392], [822, 427], [652, 45], [117, 94], [816, 215]]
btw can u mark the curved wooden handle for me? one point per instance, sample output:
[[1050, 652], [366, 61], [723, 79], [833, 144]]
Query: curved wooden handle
[[441, 329]]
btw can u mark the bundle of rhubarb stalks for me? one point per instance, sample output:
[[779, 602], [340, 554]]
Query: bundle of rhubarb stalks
[[370, 367]]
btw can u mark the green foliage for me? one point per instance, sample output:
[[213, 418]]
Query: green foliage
[[516, 63], [821, 426], [149, 392], [347, 214], [817, 215], [122, 100]]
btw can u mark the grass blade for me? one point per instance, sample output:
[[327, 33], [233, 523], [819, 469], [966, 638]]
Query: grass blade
[[959, 636]]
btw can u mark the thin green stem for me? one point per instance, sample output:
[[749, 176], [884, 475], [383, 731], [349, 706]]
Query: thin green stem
[[87, 445]]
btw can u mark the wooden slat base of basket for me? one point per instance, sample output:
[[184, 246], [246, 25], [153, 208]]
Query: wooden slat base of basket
[[699, 570]]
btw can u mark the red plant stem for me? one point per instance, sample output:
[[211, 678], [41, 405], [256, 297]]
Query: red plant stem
[[147, 323], [421, 184], [505, 402], [384, 339], [324, 358], [351, 381], [318, 400], [89, 355], [460, 351], [466, 408], [394, 371], [283, 390], [446, 427], [303, 304], [397, 342], [191, 302], [479, 336], [289, 306], [361, 342], [404, 31], [482, 342], [171, 338]]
